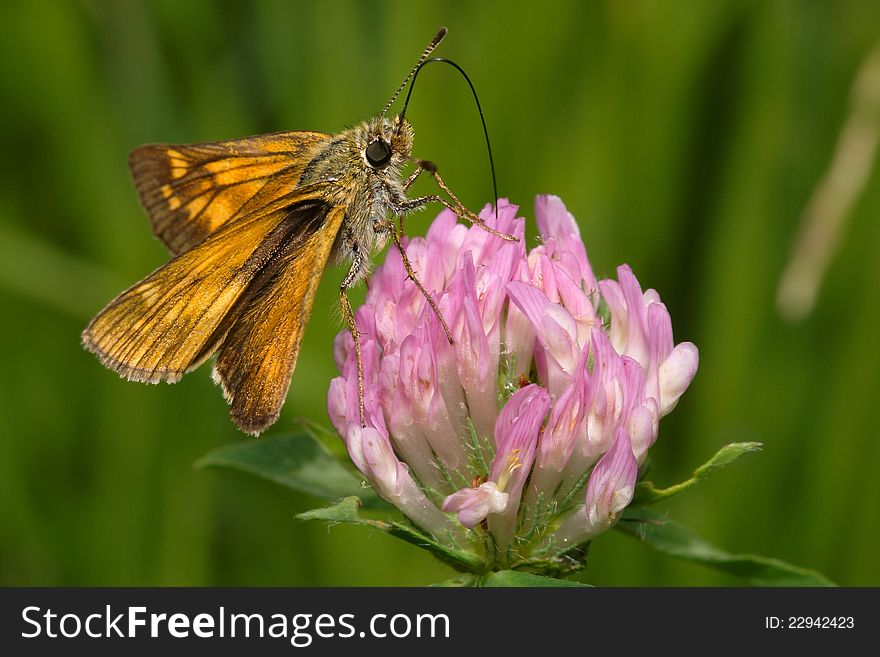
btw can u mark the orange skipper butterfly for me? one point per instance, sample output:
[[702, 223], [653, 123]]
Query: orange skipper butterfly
[[251, 224]]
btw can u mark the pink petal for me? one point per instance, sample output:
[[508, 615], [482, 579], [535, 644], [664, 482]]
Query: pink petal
[[676, 374], [473, 505], [612, 483]]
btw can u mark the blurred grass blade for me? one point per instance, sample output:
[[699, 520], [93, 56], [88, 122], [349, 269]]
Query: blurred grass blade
[[40, 271], [824, 221], [646, 493], [676, 540], [295, 461]]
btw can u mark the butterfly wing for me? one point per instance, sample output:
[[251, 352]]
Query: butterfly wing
[[257, 357], [190, 191], [167, 324]]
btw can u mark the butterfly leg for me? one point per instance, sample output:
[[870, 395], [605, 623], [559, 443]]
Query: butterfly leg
[[431, 168], [405, 205], [415, 174], [353, 276], [456, 206], [408, 205], [395, 235], [420, 169]]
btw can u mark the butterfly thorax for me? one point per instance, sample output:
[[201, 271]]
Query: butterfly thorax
[[367, 188]]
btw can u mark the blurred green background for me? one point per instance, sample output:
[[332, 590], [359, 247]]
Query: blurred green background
[[686, 137]]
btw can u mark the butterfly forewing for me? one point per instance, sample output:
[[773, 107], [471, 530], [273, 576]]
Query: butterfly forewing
[[172, 320], [190, 191], [257, 356]]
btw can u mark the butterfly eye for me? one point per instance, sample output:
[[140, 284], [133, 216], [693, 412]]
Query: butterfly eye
[[379, 154]]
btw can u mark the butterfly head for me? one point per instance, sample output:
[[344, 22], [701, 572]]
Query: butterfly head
[[388, 143]]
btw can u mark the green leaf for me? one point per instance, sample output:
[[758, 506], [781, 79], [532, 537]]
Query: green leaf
[[462, 581], [681, 542], [296, 461], [346, 511], [646, 493], [326, 438], [459, 559], [516, 579]]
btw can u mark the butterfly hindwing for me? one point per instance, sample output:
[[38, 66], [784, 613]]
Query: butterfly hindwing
[[168, 323], [190, 191], [257, 357]]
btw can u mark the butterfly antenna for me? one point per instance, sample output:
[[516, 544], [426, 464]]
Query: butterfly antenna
[[443, 60], [441, 34]]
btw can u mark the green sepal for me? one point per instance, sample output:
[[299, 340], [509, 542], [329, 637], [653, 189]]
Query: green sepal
[[559, 565]]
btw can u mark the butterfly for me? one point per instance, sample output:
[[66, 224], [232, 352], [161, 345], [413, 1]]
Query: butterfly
[[251, 225]]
